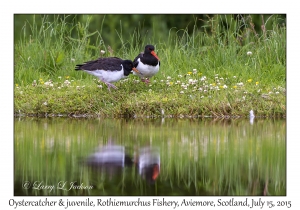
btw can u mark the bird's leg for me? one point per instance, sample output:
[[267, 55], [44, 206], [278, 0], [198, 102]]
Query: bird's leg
[[146, 80], [109, 85]]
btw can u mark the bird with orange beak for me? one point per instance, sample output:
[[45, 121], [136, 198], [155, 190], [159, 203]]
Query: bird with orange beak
[[147, 63]]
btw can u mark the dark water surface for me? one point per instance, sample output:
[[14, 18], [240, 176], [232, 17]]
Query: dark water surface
[[64, 156]]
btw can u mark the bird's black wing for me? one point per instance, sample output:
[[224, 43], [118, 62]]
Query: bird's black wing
[[110, 64]]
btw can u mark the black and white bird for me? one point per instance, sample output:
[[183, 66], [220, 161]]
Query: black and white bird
[[147, 63], [108, 70]]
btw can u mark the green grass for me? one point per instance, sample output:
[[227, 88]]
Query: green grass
[[207, 72]]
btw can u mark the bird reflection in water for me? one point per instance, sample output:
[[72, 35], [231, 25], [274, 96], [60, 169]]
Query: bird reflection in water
[[109, 158], [149, 163], [112, 159]]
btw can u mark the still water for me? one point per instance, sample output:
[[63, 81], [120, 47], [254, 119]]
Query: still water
[[67, 156]]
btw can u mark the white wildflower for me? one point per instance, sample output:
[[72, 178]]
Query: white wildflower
[[191, 81], [203, 78], [184, 86]]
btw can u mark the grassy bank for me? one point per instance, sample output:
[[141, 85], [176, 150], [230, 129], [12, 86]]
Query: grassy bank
[[219, 70]]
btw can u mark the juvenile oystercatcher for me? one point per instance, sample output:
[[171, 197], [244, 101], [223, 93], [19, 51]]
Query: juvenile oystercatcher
[[147, 63], [108, 70]]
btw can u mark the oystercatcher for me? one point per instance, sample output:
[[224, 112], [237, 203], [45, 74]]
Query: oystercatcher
[[147, 63], [108, 70]]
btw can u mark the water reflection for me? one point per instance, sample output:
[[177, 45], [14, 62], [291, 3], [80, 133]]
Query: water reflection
[[109, 157], [152, 157], [251, 116], [149, 163], [112, 159]]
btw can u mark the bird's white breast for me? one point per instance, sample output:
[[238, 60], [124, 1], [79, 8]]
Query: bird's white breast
[[146, 70]]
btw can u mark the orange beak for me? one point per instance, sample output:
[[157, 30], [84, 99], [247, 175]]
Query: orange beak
[[137, 71], [154, 54], [155, 172]]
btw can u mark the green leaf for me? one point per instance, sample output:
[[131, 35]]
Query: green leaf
[[60, 58]]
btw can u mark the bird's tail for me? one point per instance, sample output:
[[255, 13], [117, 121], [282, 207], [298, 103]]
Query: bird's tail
[[78, 67]]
